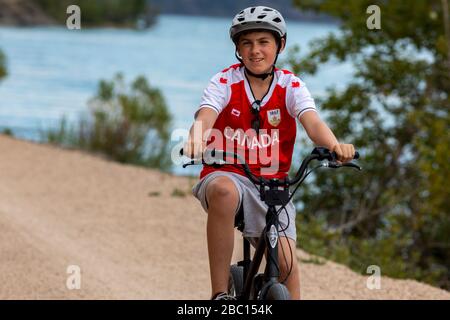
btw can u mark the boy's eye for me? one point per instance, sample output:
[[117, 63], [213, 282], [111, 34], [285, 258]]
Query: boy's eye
[[247, 43]]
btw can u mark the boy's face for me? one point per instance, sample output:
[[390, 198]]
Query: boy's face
[[258, 50]]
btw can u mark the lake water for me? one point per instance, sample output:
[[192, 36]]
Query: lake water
[[54, 71]]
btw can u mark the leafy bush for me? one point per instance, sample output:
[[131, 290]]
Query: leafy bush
[[7, 132], [129, 125]]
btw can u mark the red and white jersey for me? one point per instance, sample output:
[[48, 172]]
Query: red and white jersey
[[269, 154]]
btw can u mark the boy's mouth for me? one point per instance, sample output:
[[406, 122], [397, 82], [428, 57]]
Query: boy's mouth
[[256, 59]]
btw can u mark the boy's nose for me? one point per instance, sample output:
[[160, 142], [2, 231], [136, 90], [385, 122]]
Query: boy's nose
[[254, 50]]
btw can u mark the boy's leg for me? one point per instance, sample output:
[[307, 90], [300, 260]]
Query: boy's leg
[[223, 198], [293, 282]]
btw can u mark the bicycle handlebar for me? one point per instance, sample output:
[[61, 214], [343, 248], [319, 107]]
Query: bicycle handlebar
[[319, 153]]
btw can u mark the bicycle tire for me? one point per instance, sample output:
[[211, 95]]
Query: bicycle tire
[[236, 280], [257, 284], [277, 291]]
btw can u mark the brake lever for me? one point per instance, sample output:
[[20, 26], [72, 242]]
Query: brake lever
[[331, 164], [352, 165], [335, 165], [191, 163], [209, 160]]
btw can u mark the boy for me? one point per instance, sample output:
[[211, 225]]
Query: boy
[[254, 107]]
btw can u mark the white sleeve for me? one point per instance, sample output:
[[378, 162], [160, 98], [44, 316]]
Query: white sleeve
[[298, 98], [215, 96]]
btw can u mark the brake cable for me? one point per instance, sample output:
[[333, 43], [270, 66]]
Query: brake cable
[[288, 221]]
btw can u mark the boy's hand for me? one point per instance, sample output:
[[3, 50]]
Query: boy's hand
[[345, 152], [196, 144], [194, 149]]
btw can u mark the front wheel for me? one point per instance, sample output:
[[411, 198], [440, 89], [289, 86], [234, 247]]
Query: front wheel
[[277, 291], [236, 280], [257, 283]]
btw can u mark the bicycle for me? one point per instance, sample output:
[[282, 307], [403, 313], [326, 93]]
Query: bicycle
[[245, 283]]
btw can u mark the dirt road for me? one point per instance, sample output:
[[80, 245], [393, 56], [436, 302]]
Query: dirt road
[[128, 230]]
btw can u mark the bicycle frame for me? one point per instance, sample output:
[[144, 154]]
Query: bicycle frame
[[251, 267], [268, 239]]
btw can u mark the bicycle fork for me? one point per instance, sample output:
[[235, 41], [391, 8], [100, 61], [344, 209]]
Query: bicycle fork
[[272, 271]]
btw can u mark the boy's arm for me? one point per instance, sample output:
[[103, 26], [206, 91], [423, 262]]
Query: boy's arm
[[322, 135], [194, 147]]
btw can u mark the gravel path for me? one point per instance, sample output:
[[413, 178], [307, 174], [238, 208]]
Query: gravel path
[[129, 233]]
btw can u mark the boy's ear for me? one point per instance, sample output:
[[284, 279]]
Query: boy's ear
[[282, 44]]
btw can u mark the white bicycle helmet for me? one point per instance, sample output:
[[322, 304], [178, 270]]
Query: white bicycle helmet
[[258, 18]]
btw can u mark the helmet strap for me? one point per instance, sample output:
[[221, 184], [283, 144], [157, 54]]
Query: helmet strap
[[262, 76], [237, 56]]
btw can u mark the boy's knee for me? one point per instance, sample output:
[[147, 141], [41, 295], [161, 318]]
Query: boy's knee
[[221, 189]]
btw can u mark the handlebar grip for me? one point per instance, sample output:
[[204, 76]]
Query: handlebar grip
[[181, 152], [356, 156]]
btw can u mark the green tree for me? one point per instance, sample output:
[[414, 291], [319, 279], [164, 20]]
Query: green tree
[[395, 111], [127, 124]]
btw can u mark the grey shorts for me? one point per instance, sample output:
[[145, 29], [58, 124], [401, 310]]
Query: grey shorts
[[254, 209]]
